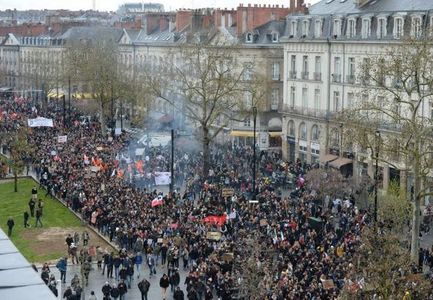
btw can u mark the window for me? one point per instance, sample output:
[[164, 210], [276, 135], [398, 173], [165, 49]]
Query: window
[[248, 99], [318, 28], [293, 28], [249, 37], [247, 122], [366, 28], [275, 37], [292, 96], [293, 67], [305, 27], [305, 67], [398, 27], [336, 105], [336, 76], [351, 70], [335, 138], [315, 133], [248, 72], [416, 27], [350, 97], [381, 28], [275, 99], [351, 28], [304, 97], [303, 131], [317, 68], [317, 99], [291, 128], [276, 71], [337, 28]]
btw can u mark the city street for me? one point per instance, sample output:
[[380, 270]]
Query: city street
[[97, 280]]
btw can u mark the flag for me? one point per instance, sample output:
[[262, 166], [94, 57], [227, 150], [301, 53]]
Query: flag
[[139, 166], [217, 220], [157, 201]]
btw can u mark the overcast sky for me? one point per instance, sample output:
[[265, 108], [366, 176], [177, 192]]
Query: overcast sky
[[112, 5]]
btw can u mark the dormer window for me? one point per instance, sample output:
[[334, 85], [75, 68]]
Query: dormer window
[[416, 27], [398, 27], [381, 27], [366, 28], [337, 28], [351, 28], [318, 28], [305, 26], [293, 28], [249, 37], [275, 37]]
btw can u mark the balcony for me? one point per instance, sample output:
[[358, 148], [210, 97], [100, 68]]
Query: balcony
[[336, 78], [350, 79], [304, 75], [317, 76], [306, 111], [292, 74]]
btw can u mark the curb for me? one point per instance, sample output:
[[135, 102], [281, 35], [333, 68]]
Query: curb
[[92, 228]]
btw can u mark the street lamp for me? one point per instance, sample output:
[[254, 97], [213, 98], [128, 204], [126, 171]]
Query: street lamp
[[341, 140], [376, 174], [254, 152], [172, 163]]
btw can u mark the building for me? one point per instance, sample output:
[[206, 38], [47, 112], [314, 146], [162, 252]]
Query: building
[[323, 52]]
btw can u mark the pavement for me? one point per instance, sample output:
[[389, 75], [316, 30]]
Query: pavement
[[97, 280]]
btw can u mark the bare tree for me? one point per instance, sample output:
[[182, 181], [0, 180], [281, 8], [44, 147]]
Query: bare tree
[[96, 67], [210, 85], [396, 107], [19, 151]]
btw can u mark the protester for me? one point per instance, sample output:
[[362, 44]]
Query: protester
[[10, 223]]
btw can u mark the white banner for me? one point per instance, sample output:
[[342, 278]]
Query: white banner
[[40, 122], [62, 138], [162, 178]]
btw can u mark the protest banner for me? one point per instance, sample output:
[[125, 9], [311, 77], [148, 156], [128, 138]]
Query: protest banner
[[162, 178], [62, 139], [40, 122]]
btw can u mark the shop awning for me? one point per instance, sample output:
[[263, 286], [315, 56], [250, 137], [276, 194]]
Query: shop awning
[[339, 162], [242, 133], [80, 96], [55, 95], [275, 133], [328, 157]]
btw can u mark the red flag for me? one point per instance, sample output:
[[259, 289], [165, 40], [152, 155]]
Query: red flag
[[218, 220], [157, 201]]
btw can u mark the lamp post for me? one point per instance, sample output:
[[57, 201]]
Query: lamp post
[[376, 174], [254, 152], [172, 163], [341, 140], [69, 100]]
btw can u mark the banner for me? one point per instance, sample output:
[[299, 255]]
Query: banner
[[62, 139], [217, 220], [162, 178], [40, 122]]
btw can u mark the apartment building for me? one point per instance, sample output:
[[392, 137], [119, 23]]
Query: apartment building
[[323, 52]]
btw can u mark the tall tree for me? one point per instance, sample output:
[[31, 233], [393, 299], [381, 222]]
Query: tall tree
[[209, 84], [395, 103], [95, 62]]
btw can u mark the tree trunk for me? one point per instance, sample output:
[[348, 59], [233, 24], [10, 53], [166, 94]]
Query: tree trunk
[[416, 218], [102, 119], [206, 151], [15, 181]]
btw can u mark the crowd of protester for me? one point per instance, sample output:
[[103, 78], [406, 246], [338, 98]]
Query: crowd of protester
[[300, 250]]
